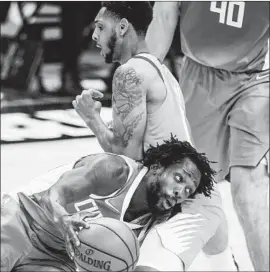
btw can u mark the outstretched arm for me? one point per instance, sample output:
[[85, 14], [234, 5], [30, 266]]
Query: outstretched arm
[[100, 175], [161, 30]]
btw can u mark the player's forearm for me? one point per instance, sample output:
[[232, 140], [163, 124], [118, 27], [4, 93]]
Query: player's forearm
[[111, 140], [54, 204], [107, 137], [161, 30], [102, 132]]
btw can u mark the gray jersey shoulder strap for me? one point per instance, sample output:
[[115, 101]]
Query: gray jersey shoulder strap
[[151, 62]]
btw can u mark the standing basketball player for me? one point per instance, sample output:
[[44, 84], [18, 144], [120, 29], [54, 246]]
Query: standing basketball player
[[37, 228], [225, 82], [147, 107]]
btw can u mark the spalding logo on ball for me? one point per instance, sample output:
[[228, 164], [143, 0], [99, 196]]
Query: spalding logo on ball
[[85, 260], [108, 245]]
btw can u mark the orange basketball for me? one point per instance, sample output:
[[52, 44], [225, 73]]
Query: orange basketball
[[108, 245]]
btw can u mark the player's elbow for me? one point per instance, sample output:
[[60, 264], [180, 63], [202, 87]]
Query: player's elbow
[[165, 12], [130, 151], [161, 31]]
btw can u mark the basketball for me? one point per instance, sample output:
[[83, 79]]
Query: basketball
[[108, 245]]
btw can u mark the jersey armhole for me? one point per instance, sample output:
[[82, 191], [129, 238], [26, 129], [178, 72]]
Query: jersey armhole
[[152, 63]]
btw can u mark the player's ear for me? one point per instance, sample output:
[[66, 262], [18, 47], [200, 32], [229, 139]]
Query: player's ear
[[155, 167], [124, 25]]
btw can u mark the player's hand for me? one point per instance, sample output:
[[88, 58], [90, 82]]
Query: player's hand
[[86, 104], [70, 225]]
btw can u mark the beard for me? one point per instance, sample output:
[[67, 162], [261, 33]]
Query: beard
[[153, 196], [111, 46]]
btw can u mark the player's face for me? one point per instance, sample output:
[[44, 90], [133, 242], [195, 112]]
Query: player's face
[[105, 36], [173, 185]]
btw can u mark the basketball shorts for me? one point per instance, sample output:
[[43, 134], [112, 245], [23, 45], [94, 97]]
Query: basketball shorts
[[228, 114], [26, 245], [173, 244]]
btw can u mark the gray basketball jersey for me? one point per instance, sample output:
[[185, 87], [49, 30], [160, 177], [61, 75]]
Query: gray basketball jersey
[[226, 35]]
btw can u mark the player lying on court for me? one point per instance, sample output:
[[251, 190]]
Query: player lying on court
[[148, 104], [37, 228]]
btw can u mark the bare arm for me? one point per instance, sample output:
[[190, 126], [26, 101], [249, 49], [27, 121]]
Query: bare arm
[[101, 175], [125, 136], [161, 30], [71, 184], [129, 112], [103, 132]]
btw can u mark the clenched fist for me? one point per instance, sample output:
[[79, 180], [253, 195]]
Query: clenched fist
[[86, 105]]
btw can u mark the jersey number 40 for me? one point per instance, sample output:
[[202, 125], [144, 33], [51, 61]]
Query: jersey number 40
[[230, 13]]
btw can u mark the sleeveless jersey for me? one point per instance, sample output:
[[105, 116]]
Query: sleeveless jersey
[[233, 36], [113, 205], [170, 117]]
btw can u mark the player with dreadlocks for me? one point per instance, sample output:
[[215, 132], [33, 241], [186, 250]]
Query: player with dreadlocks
[[175, 151], [168, 175]]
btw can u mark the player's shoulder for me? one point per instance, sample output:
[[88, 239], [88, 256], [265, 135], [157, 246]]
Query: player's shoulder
[[108, 167], [113, 167], [129, 72], [140, 67]]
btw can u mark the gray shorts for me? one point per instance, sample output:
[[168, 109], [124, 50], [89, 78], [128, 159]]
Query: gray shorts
[[228, 114]]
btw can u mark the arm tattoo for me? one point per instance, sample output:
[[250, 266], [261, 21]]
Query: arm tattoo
[[127, 92], [128, 132]]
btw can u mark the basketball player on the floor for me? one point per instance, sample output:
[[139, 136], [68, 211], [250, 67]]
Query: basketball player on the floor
[[147, 106], [225, 78], [37, 228]]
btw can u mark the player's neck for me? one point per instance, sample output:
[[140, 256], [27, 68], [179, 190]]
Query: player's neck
[[132, 48], [138, 201]]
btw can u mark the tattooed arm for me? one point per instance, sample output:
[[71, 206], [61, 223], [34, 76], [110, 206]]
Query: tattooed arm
[[129, 112], [125, 135]]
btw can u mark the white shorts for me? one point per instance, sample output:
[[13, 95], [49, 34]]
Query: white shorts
[[173, 245]]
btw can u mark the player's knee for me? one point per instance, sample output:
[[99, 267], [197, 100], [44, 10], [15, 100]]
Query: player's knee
[[248, 183]]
